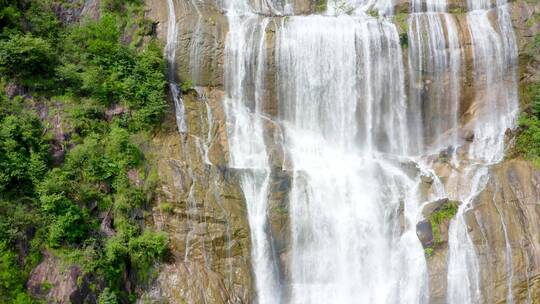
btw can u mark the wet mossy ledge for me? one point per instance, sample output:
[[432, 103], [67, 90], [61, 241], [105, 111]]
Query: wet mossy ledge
[[433, 231]]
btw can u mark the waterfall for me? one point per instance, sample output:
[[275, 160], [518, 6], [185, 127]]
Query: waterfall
[[509, 268], [342, 103], [435, 76], [170, 54], [494, 51], [496, 107], [245, 61], [357, 137]]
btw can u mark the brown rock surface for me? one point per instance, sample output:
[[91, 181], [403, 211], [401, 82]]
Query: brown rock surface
[[202, 209], [505, 222], [57, 282]]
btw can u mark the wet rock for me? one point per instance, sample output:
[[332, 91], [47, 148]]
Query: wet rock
[[115, 110], [431, 207], [426, 179], [134, 177], [504, 216], [106, 226], [12, 89], [424, 233], [468, 135], [446, 153], [200, 40], [502, 223], [202, 208]]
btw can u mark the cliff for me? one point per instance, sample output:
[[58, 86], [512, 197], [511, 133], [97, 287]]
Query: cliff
[[203, 209]]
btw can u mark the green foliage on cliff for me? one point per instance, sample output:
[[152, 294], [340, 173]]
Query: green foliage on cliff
[[24, 159], [109, 90], [11, 277], [440, 217], [528, 141], [444, 214], [23, 149], [528, 138], [28, 59], [95, 64]]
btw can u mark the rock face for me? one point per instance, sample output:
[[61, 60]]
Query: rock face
[[505, 230], [55, 282], [504, 227], [504, 220], [73, 11], [202, 208], [200, 42]]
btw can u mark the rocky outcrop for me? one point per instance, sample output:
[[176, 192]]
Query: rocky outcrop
[[202, 209], [56, 282], [503, 221], [526, 20], [72, 11], [200, 42], [504, 228]]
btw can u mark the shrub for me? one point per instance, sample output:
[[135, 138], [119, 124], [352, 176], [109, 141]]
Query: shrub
[[11, 278], [528, 139], [107, 297], [87, 68], [26, 58], [23, 148], [147, 248], [69, 227], [445, 213]]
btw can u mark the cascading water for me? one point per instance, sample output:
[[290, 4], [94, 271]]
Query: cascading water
[[496, 105], [349, 132], [340, 118], [170, 54], [435, 58], [246, 60], [340, 113]]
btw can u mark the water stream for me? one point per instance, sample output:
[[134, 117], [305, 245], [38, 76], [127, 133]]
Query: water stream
[[170, 55]]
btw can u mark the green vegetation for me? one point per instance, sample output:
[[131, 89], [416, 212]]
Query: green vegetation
[[440, 216], [401, 20], [458, 10], [320, 6], [81, 72], [528, 139], [373, 13]]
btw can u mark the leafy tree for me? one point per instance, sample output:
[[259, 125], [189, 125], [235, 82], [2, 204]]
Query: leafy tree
[[24, 57], [23, 148]]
